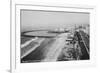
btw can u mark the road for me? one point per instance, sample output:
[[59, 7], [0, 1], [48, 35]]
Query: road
[[83, 42]]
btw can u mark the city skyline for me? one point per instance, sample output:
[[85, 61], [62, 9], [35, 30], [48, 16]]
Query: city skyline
[[31, 20]]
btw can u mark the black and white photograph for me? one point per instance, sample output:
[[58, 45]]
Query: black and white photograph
[[54, 36]]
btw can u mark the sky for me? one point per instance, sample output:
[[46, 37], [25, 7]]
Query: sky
[[32, 19]]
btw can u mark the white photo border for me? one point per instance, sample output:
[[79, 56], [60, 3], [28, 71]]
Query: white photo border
[[16, 66]]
